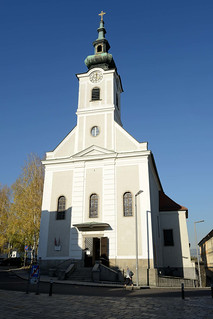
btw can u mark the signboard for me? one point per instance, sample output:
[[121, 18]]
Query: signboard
[[34, 274], [15, 254]]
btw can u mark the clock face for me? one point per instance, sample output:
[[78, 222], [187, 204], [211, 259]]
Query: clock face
[[96, 76]]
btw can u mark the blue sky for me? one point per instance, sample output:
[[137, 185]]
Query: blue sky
[[163, 51]]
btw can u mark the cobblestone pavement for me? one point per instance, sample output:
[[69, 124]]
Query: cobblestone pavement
[[15, 304]]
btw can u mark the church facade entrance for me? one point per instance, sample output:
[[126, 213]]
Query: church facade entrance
[[91, 187], [96, 250]]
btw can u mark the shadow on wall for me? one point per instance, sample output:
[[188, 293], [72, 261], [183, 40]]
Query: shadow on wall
[[59, 234], [60, 240], [63, 242], [172, 250]]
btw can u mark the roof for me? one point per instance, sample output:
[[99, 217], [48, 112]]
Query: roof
[[206, 238], [91, 226], [167, 204]]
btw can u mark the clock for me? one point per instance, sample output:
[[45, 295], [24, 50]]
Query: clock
[[96, 76]]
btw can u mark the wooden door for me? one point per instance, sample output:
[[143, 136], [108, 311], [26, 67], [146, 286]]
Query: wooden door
[[96, 249], [105, 251]]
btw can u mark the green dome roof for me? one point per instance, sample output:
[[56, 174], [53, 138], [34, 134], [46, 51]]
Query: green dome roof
[[101, 58]]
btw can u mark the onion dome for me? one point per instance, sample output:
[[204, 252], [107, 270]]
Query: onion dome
[[101, 58]]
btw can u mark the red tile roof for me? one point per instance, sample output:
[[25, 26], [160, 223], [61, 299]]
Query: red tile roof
[[167, 204]]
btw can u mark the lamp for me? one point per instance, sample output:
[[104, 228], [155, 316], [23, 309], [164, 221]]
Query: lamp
[[198, 261], [136, 235]]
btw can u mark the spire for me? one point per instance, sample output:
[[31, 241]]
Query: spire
[[101, 57], [101, 29]]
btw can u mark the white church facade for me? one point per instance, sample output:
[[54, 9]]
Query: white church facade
[[103, 199]]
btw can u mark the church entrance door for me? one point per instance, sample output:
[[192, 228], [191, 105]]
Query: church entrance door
[[96, 249]]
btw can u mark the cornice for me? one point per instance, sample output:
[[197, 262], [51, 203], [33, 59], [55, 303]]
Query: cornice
[[96, 109], [87, 74], [98, 157]]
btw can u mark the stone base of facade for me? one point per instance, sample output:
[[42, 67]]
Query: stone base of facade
[[176, 282], [146, 276]]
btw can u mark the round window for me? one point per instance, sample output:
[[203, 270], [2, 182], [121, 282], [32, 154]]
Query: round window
[[95, 131]]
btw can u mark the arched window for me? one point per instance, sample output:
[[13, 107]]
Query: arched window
[[99, 48], [93, 206], [61, 208], [127, 204], [95, 94]]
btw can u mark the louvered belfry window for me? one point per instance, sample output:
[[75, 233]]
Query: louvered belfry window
[[95, 94], [127, 204], [61, 208], [93, 206], [99, 48]]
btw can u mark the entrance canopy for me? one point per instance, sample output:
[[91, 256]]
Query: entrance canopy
[[92, 226]]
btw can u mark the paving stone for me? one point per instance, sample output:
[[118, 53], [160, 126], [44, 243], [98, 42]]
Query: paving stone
[[21, 305]]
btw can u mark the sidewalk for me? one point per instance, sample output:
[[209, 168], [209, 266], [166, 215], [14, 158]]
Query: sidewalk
[[24, 273]]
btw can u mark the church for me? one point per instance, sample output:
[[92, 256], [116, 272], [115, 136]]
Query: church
[[103, 201]]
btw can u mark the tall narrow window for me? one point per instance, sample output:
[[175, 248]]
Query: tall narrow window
[[95, 94], [93, 206], [127, 204], [61, 208], [168, 237]]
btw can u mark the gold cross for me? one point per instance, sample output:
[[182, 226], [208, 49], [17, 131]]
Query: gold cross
[[101, 14]]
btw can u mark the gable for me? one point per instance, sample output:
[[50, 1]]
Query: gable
[[65, 148], [124, 142], [208, 237], [94, 151]]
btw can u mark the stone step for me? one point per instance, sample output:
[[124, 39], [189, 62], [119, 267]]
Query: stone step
[[80, 279], [81, 274]]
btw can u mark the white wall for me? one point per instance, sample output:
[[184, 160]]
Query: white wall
[[179, 254]]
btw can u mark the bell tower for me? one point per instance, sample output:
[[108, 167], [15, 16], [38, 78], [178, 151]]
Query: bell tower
[[99, 96]]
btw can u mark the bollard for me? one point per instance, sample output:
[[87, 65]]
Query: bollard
[[212, 289], [37, 286], [28, 286], [182, 290], [51, 287], [28, 283]]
